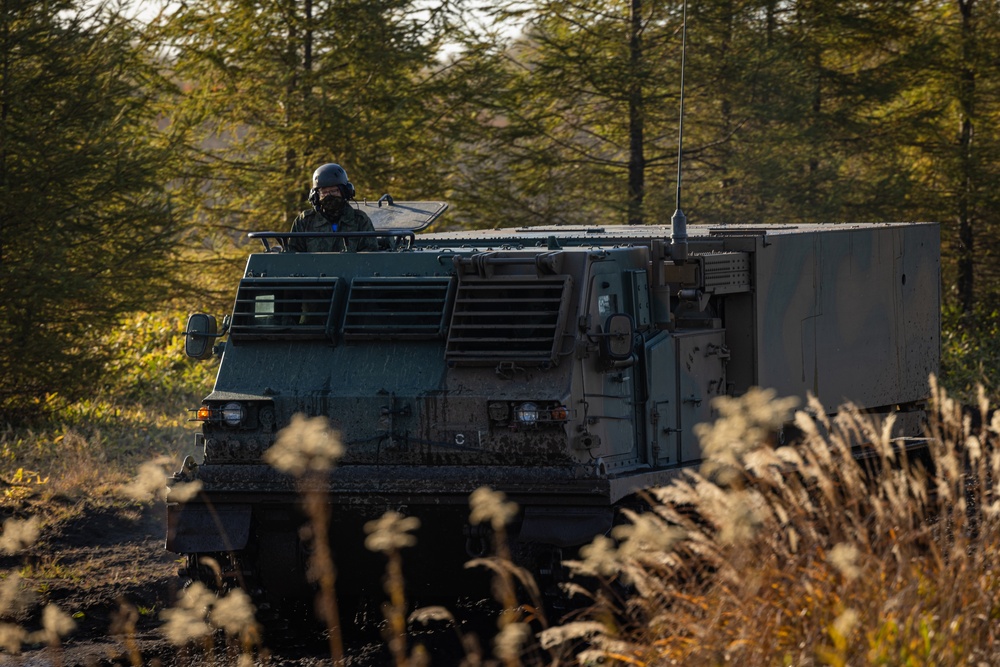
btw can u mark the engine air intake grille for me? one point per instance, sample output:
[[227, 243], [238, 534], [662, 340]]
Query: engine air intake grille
[[401, 308], [508, 318], [285, 309]]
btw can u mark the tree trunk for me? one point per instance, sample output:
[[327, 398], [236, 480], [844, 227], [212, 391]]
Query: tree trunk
[[636, 157], [966, 210]]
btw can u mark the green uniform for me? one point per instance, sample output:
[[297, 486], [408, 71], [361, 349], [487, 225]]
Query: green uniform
[[350, 220]]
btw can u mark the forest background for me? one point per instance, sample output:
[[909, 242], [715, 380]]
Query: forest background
[[139, 144]]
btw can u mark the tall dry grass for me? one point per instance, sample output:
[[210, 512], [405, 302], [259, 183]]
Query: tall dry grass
[[801, 555]]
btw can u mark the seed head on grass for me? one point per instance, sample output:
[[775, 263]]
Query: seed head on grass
[[599, 559], [186, 621], [572, 631], [13, 596], [846, 622], [235, 614], [19, 535], [150, 482], [844, 557], [12, 637], [308, 445], [744, 424], [646, 536], [12, 600], [55, 625], [492, 506], [510, 641], [182, 492], [391, 532]]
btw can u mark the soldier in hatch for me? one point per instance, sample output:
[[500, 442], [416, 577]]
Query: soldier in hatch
[[332, 212]]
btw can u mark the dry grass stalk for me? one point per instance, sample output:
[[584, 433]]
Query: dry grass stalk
[[781, 555], [308, 448], [492, 507], [123, 624], [389, 535]]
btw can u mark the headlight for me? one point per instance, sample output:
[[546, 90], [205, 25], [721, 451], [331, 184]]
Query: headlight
[[232, 414], [236, 415], [526, 413], [499, 411]]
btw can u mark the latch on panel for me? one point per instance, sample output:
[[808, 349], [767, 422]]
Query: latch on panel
[[505, 370], [721, 350]]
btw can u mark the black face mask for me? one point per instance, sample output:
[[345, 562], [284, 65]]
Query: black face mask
[[331, 207]]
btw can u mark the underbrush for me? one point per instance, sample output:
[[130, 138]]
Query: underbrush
[[970, 352], [139, 411]]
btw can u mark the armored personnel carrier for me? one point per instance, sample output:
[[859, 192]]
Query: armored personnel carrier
[[564, 366]]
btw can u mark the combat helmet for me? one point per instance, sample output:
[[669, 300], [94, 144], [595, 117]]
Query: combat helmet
[[328, 175]]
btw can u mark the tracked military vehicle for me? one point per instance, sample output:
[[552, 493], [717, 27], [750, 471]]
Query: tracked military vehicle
[[564, 366]]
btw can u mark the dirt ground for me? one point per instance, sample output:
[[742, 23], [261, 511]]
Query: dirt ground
[[103, 563]]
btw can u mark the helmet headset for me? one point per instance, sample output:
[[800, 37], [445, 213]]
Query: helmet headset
[[326, 176]]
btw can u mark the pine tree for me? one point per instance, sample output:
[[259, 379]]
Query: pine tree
[[957, 158], [270, 92], [578, 113], [85, 226]]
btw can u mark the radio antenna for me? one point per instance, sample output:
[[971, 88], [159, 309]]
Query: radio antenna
[[678, 223]]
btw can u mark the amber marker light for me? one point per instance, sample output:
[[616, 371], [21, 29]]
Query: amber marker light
[[559, 414], [204, 414]]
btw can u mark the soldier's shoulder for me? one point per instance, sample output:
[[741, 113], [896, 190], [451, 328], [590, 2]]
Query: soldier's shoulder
[[305, 219]]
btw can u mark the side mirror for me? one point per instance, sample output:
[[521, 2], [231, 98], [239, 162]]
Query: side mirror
[[618, 339], [200, 335]]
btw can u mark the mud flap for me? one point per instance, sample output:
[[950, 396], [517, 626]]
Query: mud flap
[[565, 526], [196, 528]]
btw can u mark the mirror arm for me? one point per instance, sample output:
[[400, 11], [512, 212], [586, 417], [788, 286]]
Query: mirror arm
[[226, 322], [201, 334]]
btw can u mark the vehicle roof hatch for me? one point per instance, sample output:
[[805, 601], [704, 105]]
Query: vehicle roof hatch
[[387, 214]]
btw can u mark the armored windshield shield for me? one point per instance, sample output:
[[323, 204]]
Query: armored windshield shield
[[387, 214]]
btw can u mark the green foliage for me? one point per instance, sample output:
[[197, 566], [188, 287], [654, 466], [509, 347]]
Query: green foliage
[[792, 112], [970, 351], [148, 363], [568, 119], [86, 224], [270, 93], [141, 409]]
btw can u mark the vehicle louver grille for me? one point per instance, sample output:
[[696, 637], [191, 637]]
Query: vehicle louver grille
[[285, 309], [518, 319], [406, 308]]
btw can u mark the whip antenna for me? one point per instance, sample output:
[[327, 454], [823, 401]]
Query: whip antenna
[[678, 223]]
